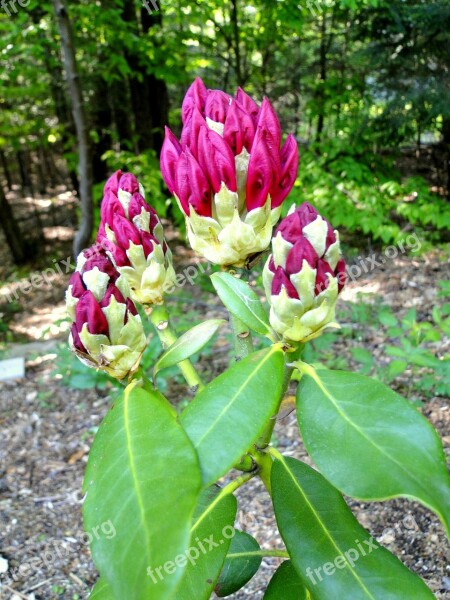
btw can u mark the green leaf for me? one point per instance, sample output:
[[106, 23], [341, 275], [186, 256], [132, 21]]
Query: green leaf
[[188, 344], [243, 560], [138, 453], [211, 534], [101, 591], [286, 584], [331, 552], [397, 367], [230, 413], [241, 301], [370, 442], [386, 318]]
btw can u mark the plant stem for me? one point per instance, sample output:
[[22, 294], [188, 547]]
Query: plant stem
[[160, 318], [243, 342], [264, 439]]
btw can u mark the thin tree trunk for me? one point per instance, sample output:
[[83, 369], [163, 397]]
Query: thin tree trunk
[[237, 49], [323, 76], [20, 250], [6, 170], [83, 235], [25, 181], [446, 140], [157, 88], [101, 120]]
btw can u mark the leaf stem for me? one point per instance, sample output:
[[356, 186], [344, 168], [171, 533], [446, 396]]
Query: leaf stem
[[237, 483], [159, 316], [276, 552]]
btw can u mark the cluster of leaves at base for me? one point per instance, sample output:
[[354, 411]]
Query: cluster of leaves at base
[[363, 193], [408, 346]]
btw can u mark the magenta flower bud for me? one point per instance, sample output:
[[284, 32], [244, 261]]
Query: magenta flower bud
[[132, 234], [112, 290], [192, 185], [125, 232], [118, 256], [216, 160], [195, 97], [170, 153], [292, 226], [288, 175], [302, 250], [76, 343], [239, 130], [113, 183], [247, 103], [106, 330], [217, 105], [94, 273], [136, 205], [76, 282], [281, 280], [191, 131], [129, 183], [229, 174], [88, 311], [270, 126], [322, 279], [108, 335], [260, 174], [304, 275]]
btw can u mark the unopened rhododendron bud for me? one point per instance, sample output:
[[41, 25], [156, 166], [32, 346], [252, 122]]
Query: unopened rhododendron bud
[[133, 237], [229, 172], [304, 275], [106, 332]]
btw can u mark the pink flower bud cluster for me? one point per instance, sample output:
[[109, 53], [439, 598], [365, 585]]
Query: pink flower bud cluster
[[304, 275], [217, 129]]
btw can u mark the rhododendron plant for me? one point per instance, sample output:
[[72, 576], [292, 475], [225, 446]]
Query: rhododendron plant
[[165, 474]]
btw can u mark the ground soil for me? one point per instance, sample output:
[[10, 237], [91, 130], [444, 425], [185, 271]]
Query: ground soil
[[47, 430]]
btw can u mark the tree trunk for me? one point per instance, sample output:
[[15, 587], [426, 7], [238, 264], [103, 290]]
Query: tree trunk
[[157, 89], [20, 249], [25, 180], [446, 140], [6, 170], [101, 121], [236, 44], [323, 76], [83, 235]]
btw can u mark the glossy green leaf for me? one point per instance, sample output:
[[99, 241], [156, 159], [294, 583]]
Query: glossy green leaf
[[243, 560], [211, 533], [230, 413], [331, 552], [241, 301], [286, 584], [101, 591], [370, 442], [138, 453], [188, 344]]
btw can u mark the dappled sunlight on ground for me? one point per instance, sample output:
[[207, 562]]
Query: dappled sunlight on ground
[[43, 323]]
